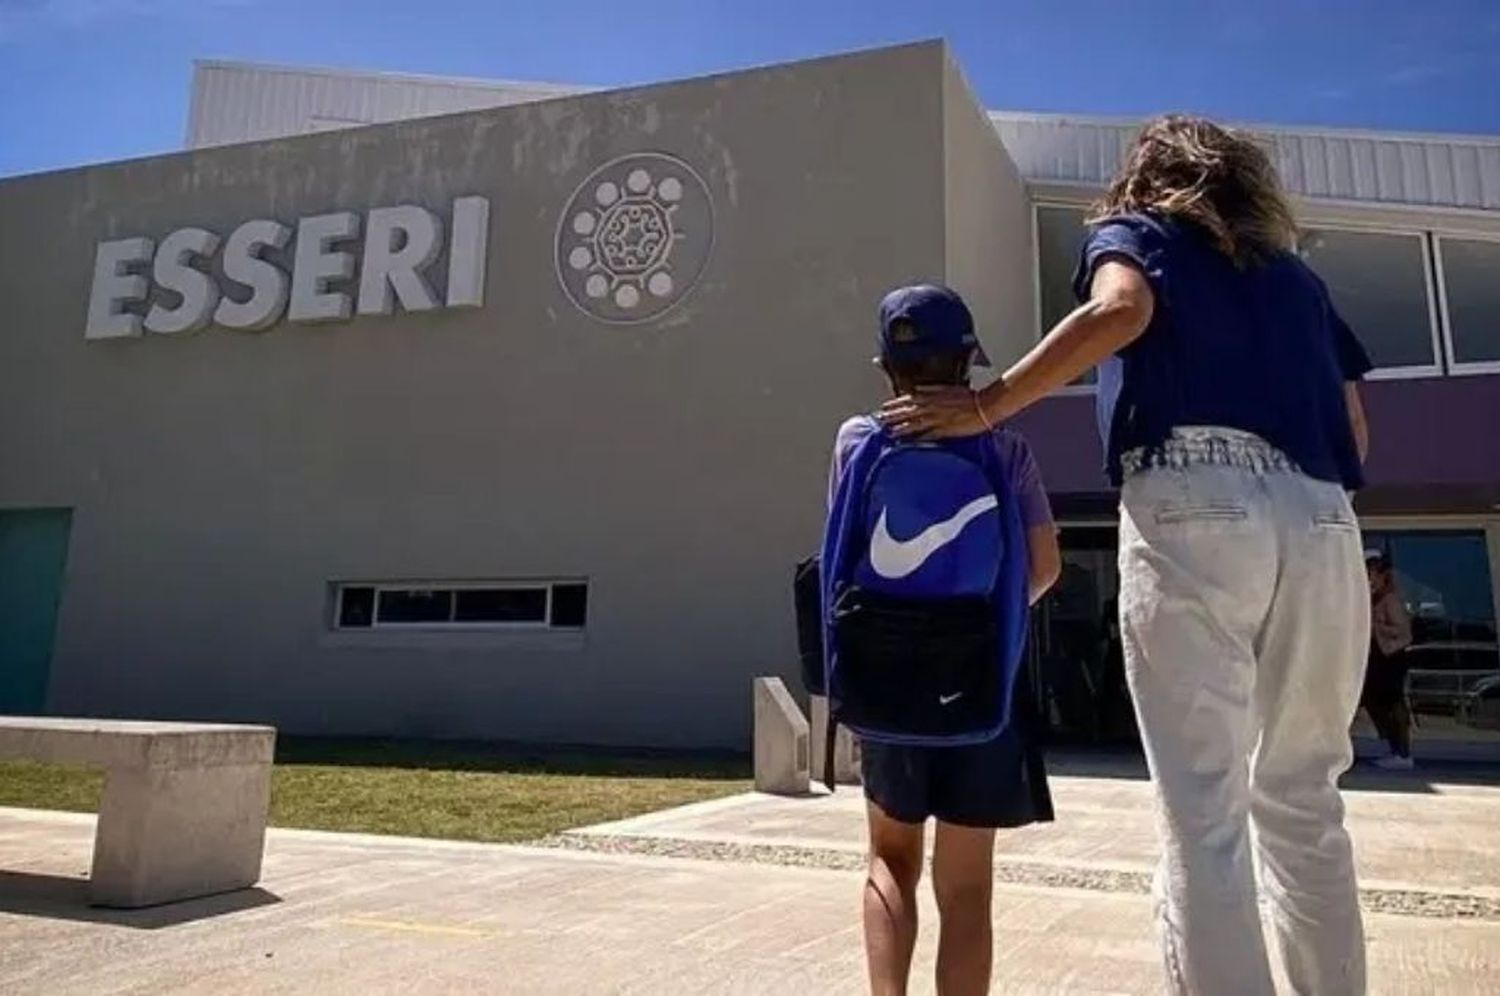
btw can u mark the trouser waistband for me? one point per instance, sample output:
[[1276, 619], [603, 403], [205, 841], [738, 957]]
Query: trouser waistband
[[1197, 445]]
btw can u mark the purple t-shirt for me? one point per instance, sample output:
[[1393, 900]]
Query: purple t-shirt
[[1015, 458]]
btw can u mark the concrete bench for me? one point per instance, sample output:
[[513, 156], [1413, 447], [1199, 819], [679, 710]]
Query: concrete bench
[[184, 812]]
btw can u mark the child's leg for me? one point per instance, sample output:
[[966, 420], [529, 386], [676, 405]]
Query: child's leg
[[962, 878], [890, 900]]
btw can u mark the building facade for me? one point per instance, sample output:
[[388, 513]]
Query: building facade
[[504, 424], [510, 422]]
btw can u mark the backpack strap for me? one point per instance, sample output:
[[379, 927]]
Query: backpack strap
[[841, 547]]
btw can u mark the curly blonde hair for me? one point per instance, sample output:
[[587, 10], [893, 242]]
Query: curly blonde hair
[[1218, 178]]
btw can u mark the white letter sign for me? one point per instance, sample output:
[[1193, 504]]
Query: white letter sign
[[198, 291], [113, 287], [386, 268], [401, 243], [268, 285], [466, 252], [313, 265]]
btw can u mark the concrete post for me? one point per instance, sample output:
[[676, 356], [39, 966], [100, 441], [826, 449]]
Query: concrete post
[[845, 746], [781, 740]]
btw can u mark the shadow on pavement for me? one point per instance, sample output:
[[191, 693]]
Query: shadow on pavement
[[1102, 763], [57, 897], [1424, 779], [1363, 777]]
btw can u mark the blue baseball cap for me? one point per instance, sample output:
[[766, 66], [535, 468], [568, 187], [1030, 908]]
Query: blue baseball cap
[[925, 320]]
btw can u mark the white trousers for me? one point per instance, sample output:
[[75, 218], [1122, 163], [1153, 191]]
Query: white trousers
[[1245, 617]]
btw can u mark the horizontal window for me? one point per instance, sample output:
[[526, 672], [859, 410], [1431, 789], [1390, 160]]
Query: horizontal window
[[1379, 284], [1470, 274], [1386, 284], [409, 606], [469, 605], [500, 605], [1059, 237]]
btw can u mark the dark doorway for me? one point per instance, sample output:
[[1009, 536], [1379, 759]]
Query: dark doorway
[[33, 550], [1076, 653]]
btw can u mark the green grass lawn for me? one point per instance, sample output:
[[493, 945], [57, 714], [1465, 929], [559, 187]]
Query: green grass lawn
[[455, 791]]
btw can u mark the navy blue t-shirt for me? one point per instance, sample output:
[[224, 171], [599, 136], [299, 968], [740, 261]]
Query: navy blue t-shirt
[[1258, 348]]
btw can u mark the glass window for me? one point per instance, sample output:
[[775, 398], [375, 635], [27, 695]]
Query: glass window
[[1378, 281], [1059, 236], [1444, 579], [570, 604], [560, 605], [1444, 582], [413, 605], [356, 607], [1471, 287], [500, 605]]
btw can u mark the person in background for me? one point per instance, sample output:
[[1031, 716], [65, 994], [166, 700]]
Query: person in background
[[1234, 428], [1384, 696]]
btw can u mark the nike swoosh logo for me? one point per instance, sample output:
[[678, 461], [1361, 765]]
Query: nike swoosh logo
[[945, 699], [894, 559]]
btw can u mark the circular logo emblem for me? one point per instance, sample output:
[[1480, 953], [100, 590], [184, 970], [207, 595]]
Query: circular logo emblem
[[635, 237]]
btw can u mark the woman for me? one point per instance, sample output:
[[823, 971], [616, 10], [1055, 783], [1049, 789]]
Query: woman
[[1384, 696], [1234, 430]]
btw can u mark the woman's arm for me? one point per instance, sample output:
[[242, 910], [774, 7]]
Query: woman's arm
[[1357, 420], [1117, 312], [1043, 560], [1119, 308]]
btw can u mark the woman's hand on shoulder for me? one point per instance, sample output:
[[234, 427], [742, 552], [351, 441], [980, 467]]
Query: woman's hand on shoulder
[[934, 413]]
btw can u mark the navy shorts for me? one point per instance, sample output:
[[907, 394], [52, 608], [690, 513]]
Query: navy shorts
[[1001, 783]]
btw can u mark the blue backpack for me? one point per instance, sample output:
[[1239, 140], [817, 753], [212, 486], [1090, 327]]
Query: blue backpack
[[924, 569]]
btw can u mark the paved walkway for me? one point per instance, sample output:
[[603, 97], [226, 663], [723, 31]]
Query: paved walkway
[[1433, 841], [746, 895]]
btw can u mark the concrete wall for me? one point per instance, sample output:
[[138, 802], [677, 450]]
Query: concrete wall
[[223, 481], [988, 238]]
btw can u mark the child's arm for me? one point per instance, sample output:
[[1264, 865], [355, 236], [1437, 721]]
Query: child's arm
[[850, 435], [1043, 556], [1044, 560]]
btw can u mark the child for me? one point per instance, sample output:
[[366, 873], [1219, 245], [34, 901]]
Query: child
[[927, 339]]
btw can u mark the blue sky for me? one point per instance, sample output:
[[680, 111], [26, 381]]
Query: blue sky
[[90, 80]]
